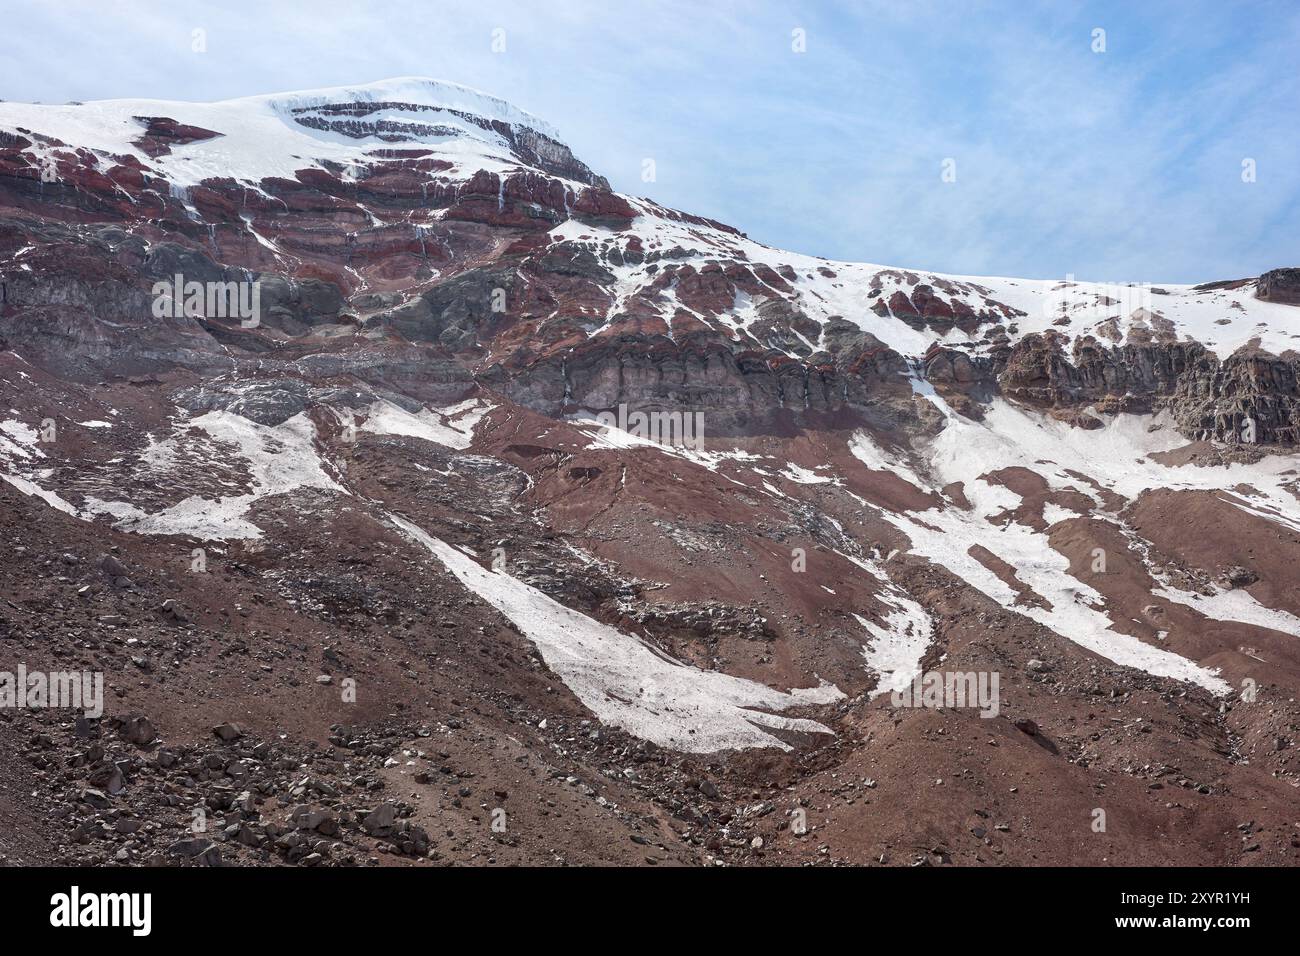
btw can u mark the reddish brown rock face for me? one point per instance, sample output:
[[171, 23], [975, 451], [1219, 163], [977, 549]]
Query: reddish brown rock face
[[604, 206], [162, 133]]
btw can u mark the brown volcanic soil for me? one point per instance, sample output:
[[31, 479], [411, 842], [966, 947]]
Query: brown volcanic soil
[[264, 624], [456, 717], [1209, 531]]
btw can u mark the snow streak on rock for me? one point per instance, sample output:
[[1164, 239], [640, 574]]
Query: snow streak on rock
[[627, 683]]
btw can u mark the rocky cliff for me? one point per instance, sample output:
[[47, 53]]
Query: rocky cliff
[[413, 215]]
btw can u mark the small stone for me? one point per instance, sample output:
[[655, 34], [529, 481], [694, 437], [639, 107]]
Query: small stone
[[380, 820], [1027, 726], [189, 847], [227, 732], [139, 731]]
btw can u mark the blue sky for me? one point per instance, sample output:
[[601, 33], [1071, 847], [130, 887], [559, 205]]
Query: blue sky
[[1123, 165]]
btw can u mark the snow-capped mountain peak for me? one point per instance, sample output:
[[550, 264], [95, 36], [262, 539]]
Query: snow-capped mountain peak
[[275, 135], [404, 94]]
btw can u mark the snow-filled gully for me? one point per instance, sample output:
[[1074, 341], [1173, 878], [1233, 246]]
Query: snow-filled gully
[[627, 683]]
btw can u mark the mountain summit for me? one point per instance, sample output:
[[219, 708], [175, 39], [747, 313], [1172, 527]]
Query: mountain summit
[[255, 137]]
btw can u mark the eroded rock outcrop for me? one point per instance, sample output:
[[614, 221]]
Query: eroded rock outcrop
[[1251, 396], [1280, 285]]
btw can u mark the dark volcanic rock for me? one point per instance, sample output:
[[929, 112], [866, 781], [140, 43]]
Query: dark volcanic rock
[[1280, 285], [1252, 396]]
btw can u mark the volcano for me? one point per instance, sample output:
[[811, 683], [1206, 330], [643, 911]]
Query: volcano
[[504, 516]]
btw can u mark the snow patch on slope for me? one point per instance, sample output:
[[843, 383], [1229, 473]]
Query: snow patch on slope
[[1077, 610], [1235, 605], [280, 459], [897, 647], [452, 426], [20, 445], [1115, 456], [19, 440], [627, 683], [29, 487]]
